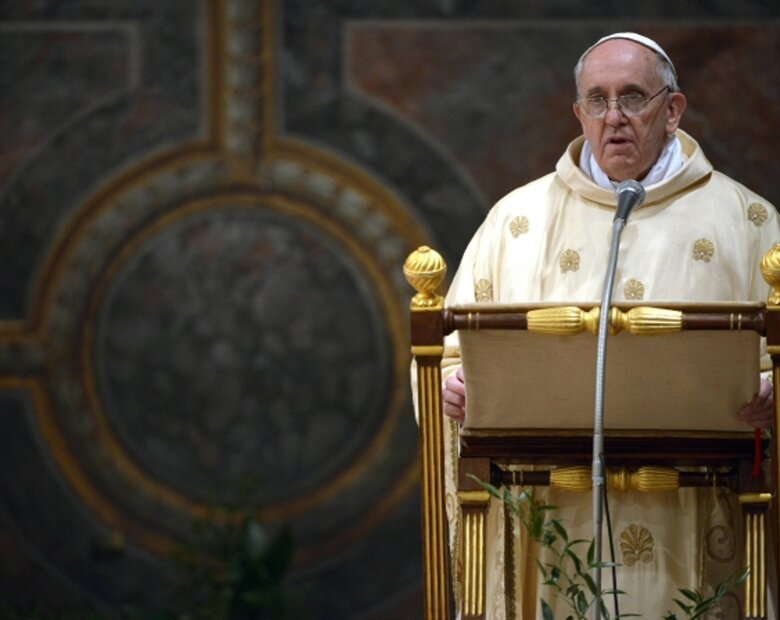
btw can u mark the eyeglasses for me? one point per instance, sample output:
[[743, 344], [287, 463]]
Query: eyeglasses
[[631, 104]]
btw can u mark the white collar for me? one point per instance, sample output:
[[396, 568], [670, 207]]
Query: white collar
[[669, 161]]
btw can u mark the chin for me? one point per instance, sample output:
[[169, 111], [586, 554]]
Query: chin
[[621, 173], [620, 168], [622, 177]]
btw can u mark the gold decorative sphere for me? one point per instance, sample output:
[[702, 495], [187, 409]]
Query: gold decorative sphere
[[425, 270], [770, 269]]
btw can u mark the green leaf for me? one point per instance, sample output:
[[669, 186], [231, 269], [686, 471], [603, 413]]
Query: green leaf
[[575, 560], [547, 613], [590, 583], [686, 608], [279, 554], [690, 594], [591, 552], [560, 529], [579, 541], [723, 587], [582, 603], [255, 538], [486, 485]]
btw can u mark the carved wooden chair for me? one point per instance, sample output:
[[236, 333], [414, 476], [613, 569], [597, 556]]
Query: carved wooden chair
[[725, 454]]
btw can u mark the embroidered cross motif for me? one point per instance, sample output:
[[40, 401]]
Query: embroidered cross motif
[[483, 291], [518, 226], [757, 214], [703, 250], [634, 289], [569, 261]]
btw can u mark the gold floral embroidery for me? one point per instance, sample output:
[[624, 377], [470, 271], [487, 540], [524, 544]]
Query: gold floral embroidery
[[636, 543], [569, 261], [757, 214], [518, 226], [484, 290], [703, 249], [634, 289]]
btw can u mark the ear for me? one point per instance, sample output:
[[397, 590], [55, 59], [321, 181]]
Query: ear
[[674, 111], [577, 112]]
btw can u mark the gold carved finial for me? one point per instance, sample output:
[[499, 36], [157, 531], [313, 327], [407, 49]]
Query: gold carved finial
[[563, 321], [570, 321], [424, 270], [655, 479], [576, 478], [645, 320], [647, 479], [770, 269]]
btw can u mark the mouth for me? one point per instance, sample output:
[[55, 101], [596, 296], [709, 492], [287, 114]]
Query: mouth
[[617, 141]]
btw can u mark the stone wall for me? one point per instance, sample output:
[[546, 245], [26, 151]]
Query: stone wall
[[204, 210]]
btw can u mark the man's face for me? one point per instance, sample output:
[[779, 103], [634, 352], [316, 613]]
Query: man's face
[[626, 147]]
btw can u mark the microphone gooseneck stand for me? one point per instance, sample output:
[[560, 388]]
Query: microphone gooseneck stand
[[630, 194]]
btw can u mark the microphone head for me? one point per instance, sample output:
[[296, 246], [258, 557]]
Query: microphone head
[[630, 194], [633, 187]]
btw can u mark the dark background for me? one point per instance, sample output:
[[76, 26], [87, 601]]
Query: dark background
[[204, 210]]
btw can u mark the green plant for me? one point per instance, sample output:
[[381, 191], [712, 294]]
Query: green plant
[[245, 576], [570, 577], [232, 568], [698, 604]]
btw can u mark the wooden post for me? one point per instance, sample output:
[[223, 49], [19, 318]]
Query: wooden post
[[474, 502], [770, 269], [424, 270]]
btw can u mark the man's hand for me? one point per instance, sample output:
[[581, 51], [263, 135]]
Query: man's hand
[[454, 396], [759, 412]]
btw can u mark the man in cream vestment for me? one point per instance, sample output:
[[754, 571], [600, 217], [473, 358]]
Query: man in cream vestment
[[699, 236]]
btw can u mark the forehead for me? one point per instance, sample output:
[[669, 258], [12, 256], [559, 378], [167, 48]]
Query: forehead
[[618, 63]]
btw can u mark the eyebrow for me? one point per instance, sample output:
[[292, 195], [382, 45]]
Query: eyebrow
[[598, 91]]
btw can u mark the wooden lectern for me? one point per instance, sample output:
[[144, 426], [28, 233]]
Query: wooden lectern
[[645, 455]]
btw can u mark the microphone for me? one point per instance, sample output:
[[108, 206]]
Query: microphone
[[630, 194]]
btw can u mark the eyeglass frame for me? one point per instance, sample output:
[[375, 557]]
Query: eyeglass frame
[[618, 106]]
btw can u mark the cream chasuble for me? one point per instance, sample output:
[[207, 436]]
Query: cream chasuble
[[699, 236]]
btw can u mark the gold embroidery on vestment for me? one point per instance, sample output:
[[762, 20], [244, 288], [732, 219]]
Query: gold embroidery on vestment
[[454, 515], [483, 290], [569, 261], [634, 289], [636, 543], [703, 250], [518, 226], [720, 535], [757, 214]]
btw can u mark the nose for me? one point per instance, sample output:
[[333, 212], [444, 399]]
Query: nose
[[614, 115]]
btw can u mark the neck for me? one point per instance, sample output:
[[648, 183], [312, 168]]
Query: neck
[[669, 161]]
